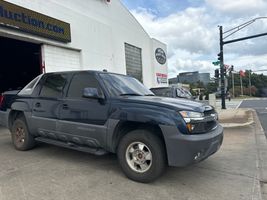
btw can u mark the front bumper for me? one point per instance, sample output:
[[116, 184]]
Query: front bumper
[[183, 150]]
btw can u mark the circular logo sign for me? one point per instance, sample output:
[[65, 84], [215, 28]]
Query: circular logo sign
[[160, 56]]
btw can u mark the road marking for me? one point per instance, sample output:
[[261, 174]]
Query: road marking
[[264, 112], [239, 104]]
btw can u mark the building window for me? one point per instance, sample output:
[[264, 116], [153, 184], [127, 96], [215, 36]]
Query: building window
[[133, 57]]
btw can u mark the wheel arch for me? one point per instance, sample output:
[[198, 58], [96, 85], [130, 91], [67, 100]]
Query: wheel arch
[[125, 127], [13, 115]]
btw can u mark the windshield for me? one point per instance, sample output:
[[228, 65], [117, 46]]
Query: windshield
[[120, 85]]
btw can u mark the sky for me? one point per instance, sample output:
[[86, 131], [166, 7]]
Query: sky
[[190, 30]]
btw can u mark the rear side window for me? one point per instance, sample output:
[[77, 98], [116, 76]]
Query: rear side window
[[28, 89], [81, 81], [53, 86]]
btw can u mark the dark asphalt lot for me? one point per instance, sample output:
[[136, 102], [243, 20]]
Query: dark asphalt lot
[[260, 105]]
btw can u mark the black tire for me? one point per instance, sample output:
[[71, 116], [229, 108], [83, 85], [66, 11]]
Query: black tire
[[21, 138], [127, 159]]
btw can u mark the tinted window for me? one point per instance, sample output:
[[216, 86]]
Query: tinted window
[[81, 81], [53, 86], [28, 89], [164, 92]]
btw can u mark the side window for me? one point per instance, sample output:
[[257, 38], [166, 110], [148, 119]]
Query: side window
[[28, 89], [53, 86], [81, 81]]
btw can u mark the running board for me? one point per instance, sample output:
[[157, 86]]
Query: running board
[[69, 145]]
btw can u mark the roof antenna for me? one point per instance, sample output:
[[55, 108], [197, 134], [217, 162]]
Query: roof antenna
[[104, 70]]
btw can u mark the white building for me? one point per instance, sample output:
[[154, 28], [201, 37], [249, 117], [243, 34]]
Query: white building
[[58, 35]]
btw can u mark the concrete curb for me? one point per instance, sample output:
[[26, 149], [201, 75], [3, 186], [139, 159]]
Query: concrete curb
[[236, 125], [261, 147]]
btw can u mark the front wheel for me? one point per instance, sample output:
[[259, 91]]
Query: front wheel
[[21, 138], [142, 156]]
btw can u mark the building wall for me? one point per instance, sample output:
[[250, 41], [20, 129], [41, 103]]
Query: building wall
[[188, 77], [194, 77], [160, 72], [98, 30], [204, 78]]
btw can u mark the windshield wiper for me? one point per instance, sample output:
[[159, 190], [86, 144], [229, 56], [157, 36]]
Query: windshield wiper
[[149, 95], [130, 94]]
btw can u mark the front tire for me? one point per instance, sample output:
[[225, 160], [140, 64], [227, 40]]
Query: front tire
[[21, 138], [142, 156]]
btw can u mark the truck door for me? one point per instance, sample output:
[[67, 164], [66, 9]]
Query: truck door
[[83, 120], [45, 108]]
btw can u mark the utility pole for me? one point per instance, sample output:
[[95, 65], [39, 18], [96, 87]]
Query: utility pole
[[233, 84], [222, 70], [249, 78], [241, 85]]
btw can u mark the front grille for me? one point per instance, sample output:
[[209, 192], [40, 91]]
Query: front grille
[[209, 122], [203, 127]]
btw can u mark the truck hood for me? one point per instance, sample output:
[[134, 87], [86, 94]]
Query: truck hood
[[172, 103]]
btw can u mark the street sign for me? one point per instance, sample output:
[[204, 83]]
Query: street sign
[[216, 62]]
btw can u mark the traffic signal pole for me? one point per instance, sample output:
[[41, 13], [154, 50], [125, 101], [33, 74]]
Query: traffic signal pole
[[222, 70], [223, 36]]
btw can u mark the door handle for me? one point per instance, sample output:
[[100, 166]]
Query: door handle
[[38, 105], [36, 110], [65, 107]]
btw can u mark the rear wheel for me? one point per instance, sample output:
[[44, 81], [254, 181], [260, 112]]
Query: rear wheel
[[142, 156], [21, 138]]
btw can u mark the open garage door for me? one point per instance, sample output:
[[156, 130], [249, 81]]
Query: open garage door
[[19, 63]]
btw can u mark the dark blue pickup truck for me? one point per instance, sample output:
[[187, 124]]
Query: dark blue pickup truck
[[100, 112]]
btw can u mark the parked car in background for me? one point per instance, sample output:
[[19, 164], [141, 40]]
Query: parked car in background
[[173, 92]]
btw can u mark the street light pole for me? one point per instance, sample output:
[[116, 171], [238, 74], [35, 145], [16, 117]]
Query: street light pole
[[223, 36], [233, 84], [222, 70]]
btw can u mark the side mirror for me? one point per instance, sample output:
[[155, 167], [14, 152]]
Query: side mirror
[[92, 93]]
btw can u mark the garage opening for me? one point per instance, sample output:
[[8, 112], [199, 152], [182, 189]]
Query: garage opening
[[19, 63]]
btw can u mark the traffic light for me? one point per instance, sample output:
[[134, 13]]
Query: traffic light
[[217, 73], [219, 56], [232, 68]]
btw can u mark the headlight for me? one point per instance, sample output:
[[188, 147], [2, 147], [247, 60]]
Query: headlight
[[191, 116], [188, 115]]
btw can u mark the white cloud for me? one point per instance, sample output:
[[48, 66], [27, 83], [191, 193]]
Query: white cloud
[[237, 7], [188, 30], [192, 34]]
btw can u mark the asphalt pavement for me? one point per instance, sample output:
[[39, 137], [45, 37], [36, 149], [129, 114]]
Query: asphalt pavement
[[49, 172], [260, 105]]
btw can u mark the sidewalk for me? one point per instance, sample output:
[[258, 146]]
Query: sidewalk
[[242, 117]]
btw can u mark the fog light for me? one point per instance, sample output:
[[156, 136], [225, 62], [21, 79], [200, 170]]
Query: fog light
[[197, 156]]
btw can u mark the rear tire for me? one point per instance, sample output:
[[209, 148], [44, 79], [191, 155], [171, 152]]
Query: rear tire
[[21, 138], [142, 156]]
